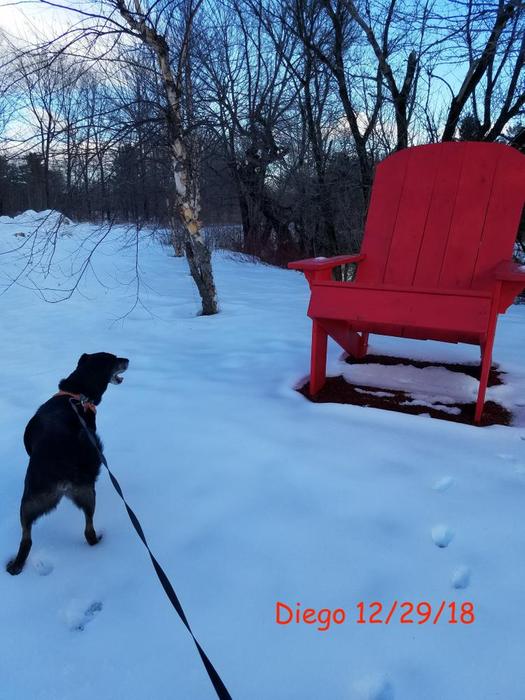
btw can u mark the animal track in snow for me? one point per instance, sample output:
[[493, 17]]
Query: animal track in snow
[[42, 567], [374, 687], [460, 577], [443, 484], [519, 467], [77, 615], [442, 535]]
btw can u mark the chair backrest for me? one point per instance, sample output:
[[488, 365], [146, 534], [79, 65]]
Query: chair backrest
[[443, 215]]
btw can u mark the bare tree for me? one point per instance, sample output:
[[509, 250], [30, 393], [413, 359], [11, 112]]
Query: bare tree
[[498, 56], [252, 88], [177, 84]]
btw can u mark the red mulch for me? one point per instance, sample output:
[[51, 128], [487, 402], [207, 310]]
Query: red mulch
[[338, 390]]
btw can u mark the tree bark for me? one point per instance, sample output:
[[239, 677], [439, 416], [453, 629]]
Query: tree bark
[[186, 178]]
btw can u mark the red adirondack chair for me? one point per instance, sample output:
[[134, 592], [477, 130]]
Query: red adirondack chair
[[436, 258]]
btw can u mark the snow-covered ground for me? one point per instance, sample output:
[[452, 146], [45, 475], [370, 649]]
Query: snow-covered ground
[[249, 495]]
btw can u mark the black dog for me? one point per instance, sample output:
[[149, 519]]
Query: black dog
[[62, 459]]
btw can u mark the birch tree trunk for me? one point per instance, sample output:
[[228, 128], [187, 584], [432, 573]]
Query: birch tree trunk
[[187, 190]]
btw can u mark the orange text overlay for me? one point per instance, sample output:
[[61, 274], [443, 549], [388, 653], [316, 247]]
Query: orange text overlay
[[377, 613]]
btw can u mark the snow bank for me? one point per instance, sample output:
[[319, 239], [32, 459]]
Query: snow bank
[[30, 218]]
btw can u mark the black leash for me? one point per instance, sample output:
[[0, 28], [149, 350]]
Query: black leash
[[216, 680]]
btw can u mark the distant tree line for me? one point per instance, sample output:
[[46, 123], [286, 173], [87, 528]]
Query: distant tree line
[[136, 187]]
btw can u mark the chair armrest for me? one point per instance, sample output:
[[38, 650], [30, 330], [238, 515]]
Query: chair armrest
[[317, 264], [510, 272]]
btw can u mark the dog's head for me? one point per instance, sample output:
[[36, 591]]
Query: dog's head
[[104, 365], [93, 374]]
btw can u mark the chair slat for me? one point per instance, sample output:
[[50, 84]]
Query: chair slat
[[502, 218], [412, 216], [439, 220], [470, 210], [381, 219]]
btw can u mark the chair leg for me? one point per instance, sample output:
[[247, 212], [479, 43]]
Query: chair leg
[[318, 362], [486, 362], [363, 345], [354, 343]]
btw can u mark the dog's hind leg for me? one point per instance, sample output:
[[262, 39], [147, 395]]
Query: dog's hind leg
[[31, 508], [84, 498]]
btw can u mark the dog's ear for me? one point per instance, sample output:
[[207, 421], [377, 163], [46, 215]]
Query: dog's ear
[[83, 359]]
